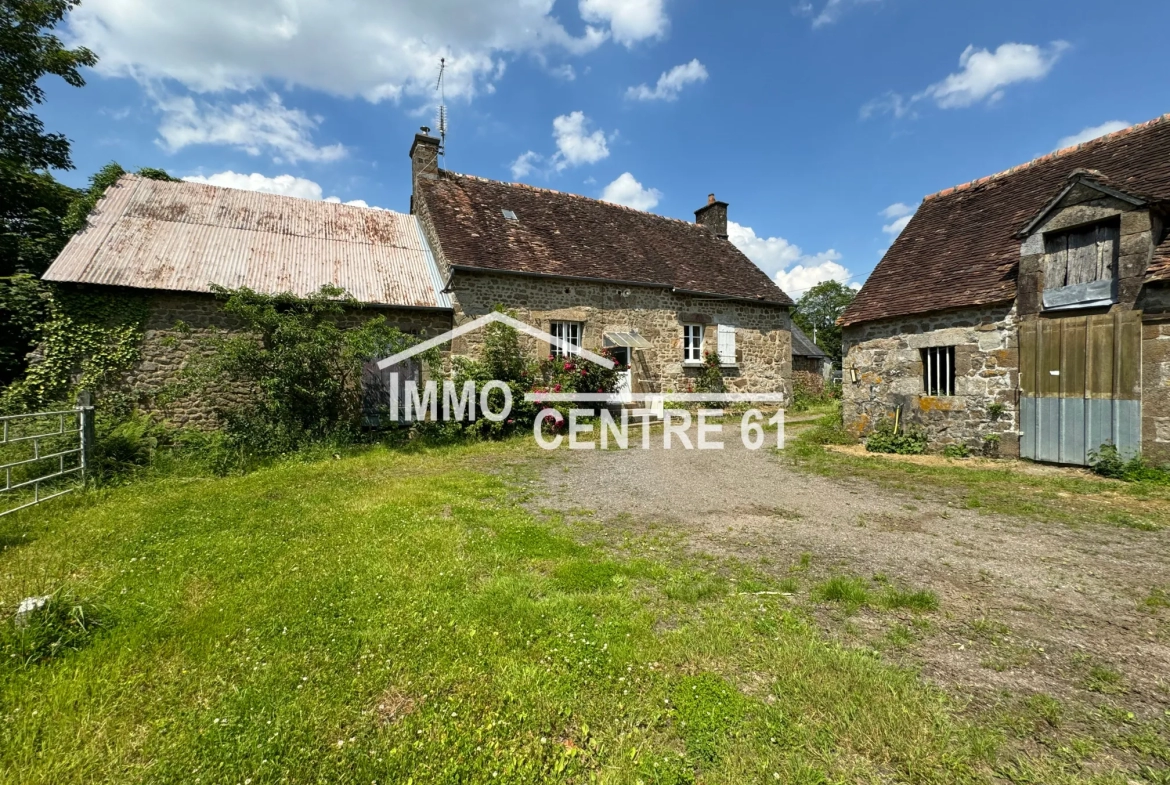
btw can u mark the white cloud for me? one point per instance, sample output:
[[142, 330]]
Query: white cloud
[[525, 164], [565, 72], [576, 145], [899, 215], [282, 184], [671, 83], [774, 254], [254, 128], [629, 21], [351, 202], [627, 191], [370, 48], [803, 277], [830, 12], [1088, 134], [984, 74]]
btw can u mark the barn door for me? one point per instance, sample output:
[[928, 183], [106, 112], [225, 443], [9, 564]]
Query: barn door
[[1080, 386]]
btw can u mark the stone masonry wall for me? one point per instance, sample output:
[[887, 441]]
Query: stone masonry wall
[[1155, 302], [763, 337], [178, 328], [888, 358]]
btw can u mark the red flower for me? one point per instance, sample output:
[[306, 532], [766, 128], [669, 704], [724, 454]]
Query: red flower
[[568, 366], [557, 388]]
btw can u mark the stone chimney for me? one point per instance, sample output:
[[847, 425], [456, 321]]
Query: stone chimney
[[424, 155], [713, 215]]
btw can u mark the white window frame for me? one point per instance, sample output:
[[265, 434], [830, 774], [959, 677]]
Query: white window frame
[[726, 335], [938, 371], [692, 349], [570, 333]]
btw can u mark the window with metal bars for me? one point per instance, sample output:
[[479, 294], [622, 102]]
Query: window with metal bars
[[938, 370]]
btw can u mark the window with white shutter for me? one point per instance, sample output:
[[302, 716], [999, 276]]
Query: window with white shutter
[[726, 344]]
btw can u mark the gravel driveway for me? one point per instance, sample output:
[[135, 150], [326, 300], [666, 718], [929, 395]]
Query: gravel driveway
[[1024, 605]]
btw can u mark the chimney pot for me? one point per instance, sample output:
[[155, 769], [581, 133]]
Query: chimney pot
[[713, 215]]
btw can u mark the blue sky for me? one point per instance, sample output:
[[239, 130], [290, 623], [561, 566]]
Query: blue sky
[[822, 122]]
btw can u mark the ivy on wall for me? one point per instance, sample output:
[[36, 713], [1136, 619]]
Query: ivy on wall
[[87, 340]]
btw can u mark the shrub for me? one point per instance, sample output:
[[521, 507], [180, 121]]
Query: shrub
[[710, 378], [810, 389], [1107, 462], [956, 451], [991, 445], [299, 371], [995, 411], [887, 439]]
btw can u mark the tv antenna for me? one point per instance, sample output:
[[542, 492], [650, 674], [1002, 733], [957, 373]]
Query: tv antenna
[[442, 108]]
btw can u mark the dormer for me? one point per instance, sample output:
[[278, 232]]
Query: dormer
[[1087, 248]]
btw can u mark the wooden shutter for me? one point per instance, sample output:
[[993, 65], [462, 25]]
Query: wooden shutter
[[726, 344]]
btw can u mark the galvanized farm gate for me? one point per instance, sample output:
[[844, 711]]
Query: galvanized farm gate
[[44, 454], [1080, 386]]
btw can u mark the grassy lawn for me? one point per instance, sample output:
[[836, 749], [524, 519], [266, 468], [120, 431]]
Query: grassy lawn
[[391, 617], [1003, 487]]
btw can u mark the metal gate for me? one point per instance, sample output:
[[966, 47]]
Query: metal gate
[[1080, 386]]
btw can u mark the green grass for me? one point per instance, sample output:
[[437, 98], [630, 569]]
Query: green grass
[[398, 617], [1075, 499]]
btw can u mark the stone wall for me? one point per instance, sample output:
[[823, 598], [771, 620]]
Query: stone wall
[[1083, 205], [178, 328], [887, 355], [763, 337], [1155, 302]]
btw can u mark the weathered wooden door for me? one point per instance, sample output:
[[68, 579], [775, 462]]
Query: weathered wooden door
[[1080, 386]]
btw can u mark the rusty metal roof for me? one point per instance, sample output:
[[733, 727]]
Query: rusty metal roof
[[180, 236]]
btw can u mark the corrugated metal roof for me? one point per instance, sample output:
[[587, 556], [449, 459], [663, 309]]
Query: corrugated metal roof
[[179, 236]]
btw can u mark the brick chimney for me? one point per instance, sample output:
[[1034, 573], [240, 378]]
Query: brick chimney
[[713, 215], [424, 156]]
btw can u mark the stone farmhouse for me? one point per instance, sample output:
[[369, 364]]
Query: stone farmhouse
[[659, 292], [1028, 312]]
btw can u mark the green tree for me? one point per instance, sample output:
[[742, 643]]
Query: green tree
[[817, 311], [30, 51]]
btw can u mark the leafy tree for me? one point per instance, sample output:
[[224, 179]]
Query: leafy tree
[[30, 52], [817, 312]]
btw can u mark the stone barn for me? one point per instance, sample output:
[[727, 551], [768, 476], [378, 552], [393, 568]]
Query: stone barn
[[1028, 312]]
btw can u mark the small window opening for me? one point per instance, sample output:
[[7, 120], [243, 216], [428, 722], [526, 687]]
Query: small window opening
[[938, 370], [1081, 256], [511, 216]]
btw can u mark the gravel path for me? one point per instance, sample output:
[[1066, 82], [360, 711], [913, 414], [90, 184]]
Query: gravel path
[[1069, 597]]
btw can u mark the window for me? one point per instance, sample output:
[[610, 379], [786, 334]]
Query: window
[[1081, 256], [938, 370], [726, 344], [509, 215], [570, 333], [692, 343]]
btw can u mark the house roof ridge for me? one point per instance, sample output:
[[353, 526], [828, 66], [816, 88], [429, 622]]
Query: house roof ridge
[[181, 183], [1048, 157], [570, 194]]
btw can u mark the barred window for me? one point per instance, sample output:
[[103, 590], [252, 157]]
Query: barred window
[[938, 370]]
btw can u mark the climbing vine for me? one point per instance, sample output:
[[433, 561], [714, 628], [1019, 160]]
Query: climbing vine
[[87, 340]]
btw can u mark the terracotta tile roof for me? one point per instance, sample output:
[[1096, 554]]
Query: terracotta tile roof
[[181, 236], [960, 249], [574, 236]]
